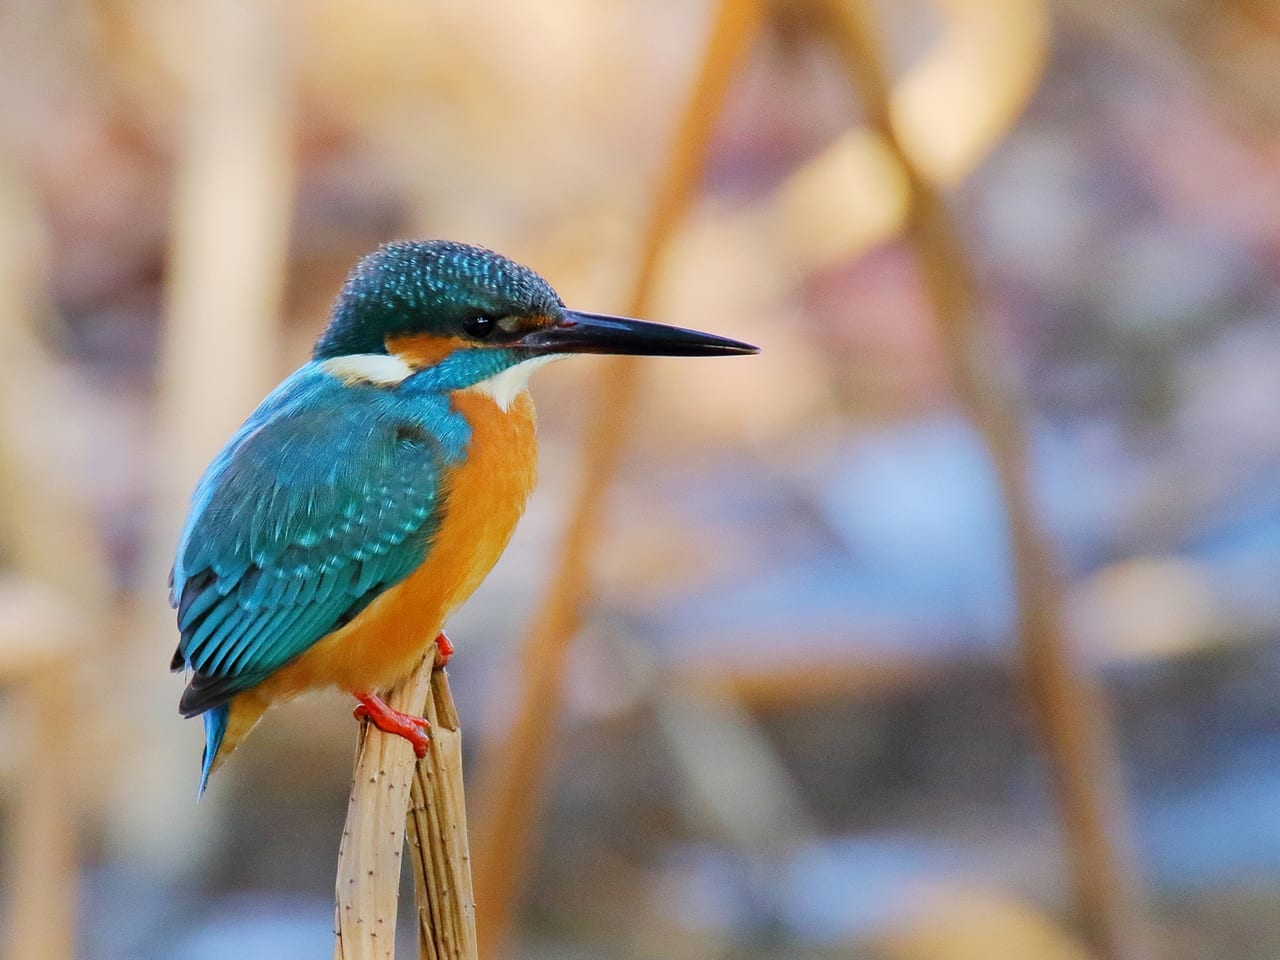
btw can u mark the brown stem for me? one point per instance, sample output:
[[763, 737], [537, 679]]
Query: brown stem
[[438, 847], [379, 814], [1066, 704], [513, 772], [38, 657]]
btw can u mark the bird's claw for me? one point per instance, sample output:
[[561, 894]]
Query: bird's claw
[[444, 650], [414, 729], [395, 722]]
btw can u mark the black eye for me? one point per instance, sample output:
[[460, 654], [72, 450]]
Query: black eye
[[478, 326]]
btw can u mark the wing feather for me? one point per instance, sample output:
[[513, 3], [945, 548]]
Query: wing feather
[[298, 526]]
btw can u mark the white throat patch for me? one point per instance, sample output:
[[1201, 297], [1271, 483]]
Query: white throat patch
[[504, 387], [380, 369]]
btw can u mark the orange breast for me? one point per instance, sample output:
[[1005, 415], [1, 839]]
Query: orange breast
[[484, 498]]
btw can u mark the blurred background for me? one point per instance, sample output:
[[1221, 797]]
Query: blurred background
[[796, 721]]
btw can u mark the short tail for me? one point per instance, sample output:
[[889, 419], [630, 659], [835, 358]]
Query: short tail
[[224, 727], [215, 727]]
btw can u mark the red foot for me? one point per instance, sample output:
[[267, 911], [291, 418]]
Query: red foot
[[414, 729], [444, 650]]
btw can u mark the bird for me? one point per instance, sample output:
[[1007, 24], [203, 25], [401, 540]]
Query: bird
[[371, 492]]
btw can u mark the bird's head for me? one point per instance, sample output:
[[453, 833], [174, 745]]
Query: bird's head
[[472, 314]]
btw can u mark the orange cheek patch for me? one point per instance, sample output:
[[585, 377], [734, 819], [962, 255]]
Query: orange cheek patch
[[420, 351], [527, 324]]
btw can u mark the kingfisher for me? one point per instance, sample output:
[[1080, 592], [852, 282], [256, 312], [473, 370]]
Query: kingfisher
[[373, 490]]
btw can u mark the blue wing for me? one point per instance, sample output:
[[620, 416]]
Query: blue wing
[[327, 496]]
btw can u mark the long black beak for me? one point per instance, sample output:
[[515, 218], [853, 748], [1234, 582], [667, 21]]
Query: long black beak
[[597, 333]]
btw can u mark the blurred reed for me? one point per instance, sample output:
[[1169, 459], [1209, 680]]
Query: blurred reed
[[38, 656], [55, 582], [513, 772], [228, 247], [1068, 709]]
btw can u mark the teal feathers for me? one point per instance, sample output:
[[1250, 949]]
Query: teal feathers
[[327, 496], [430, 288]]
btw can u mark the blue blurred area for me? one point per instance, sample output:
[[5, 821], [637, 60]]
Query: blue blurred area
[[919, 563], [920, 558]]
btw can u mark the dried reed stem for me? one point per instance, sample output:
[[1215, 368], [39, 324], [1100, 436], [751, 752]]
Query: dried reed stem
[[1073, 725], [387, 777], [47, 531], [513, 772], [438, 848], [232, 201], [38, 655]]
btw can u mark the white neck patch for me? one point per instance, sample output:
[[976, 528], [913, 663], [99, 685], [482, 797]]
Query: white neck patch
[[504, 387], [380, 369]]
